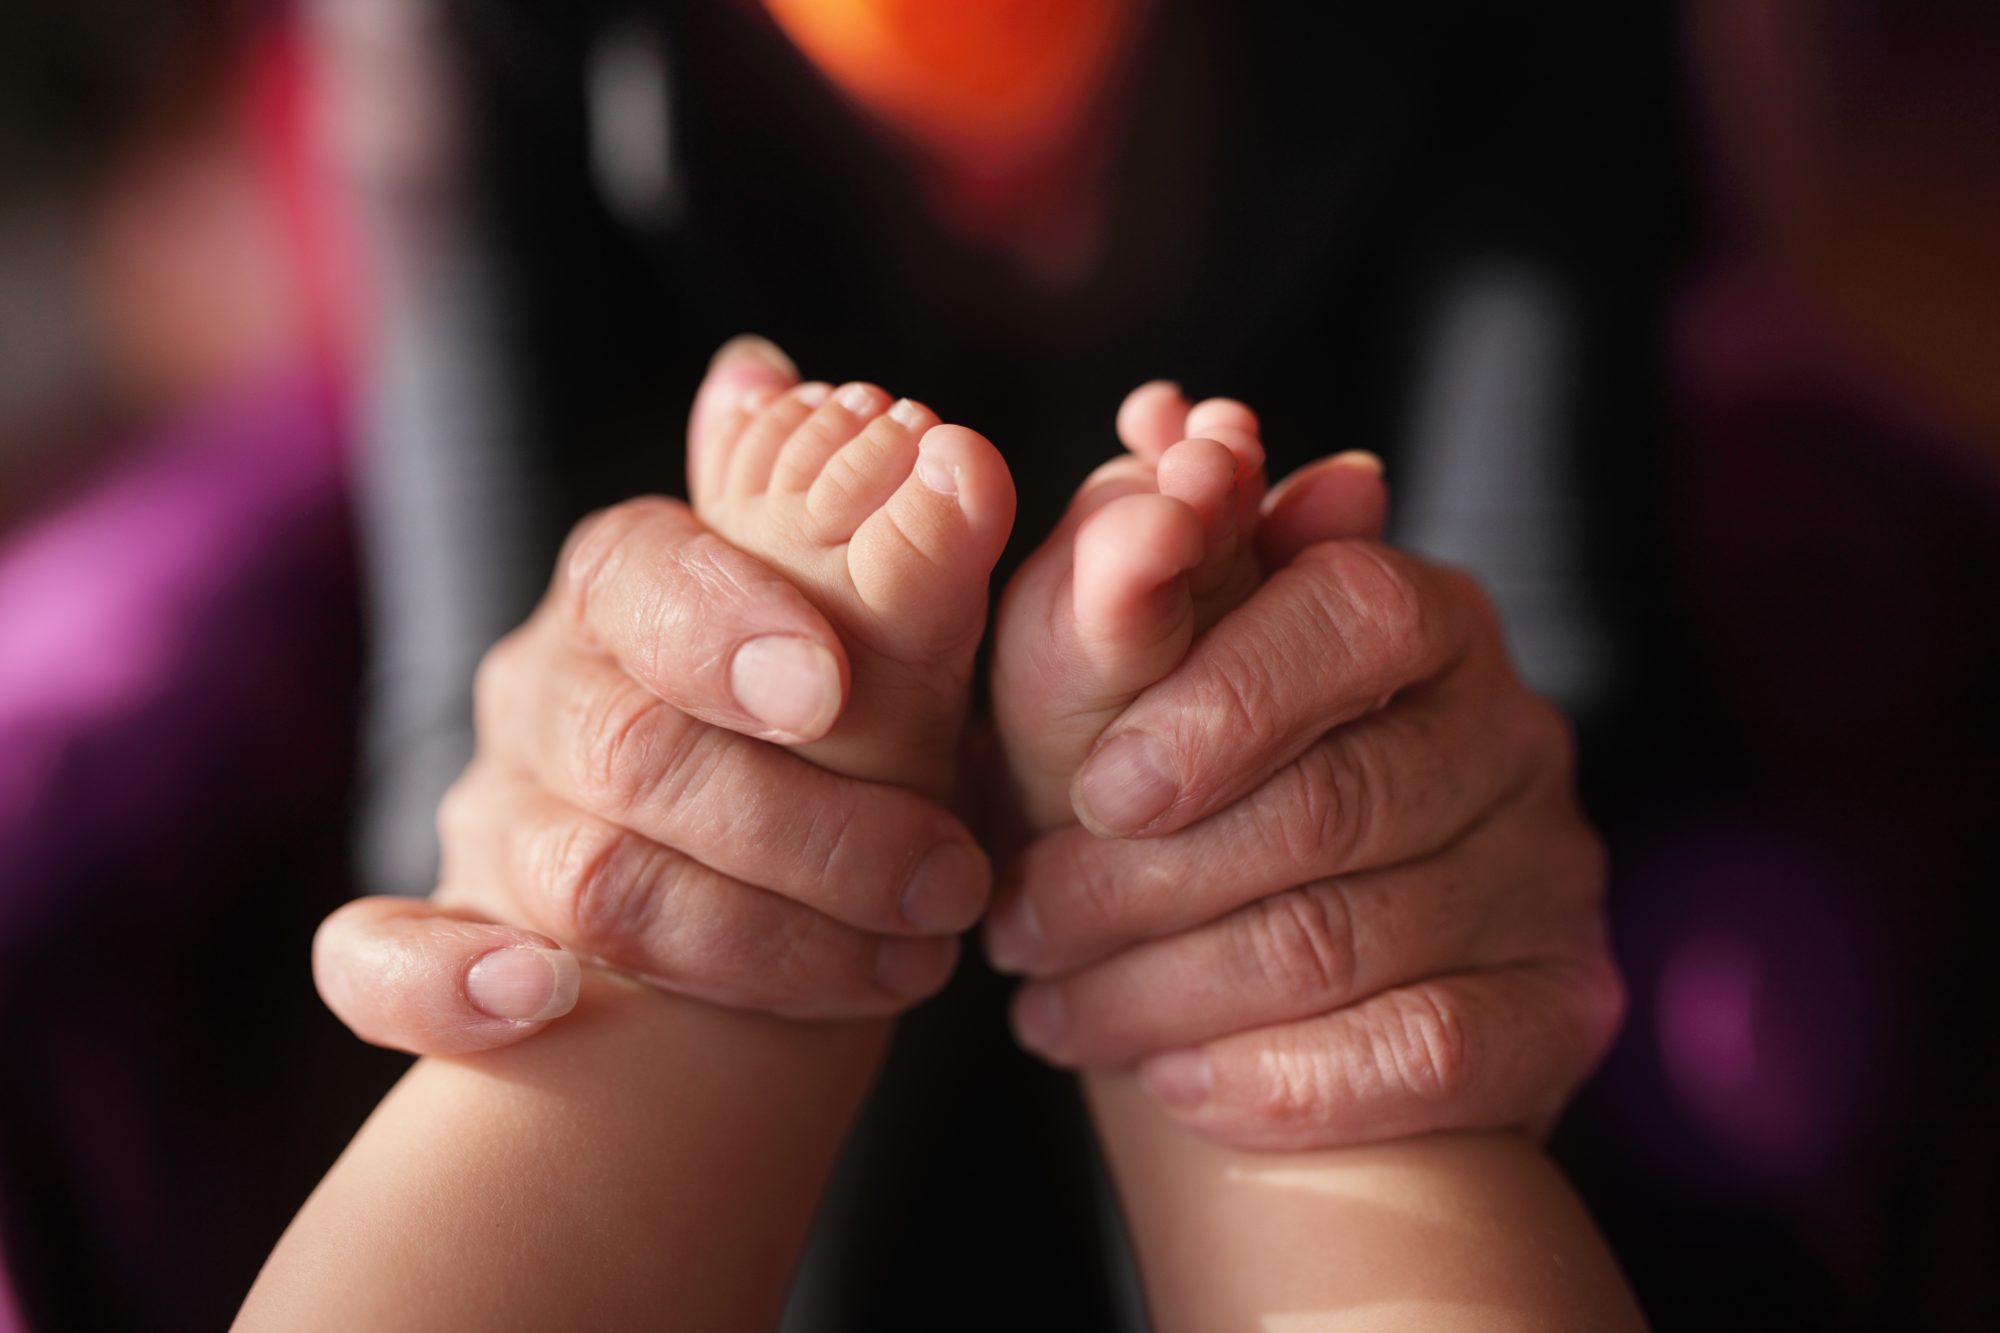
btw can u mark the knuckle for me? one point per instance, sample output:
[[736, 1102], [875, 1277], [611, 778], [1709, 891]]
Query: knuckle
[[598, 879], [595, 543], [493, 681], [1235, 698], [1108, 899], [591, 548], [1302, 942], [627, 748], [1331, 798], [1544, 737], [458, 809], [1607, 1002], [1423, 1048], [458, 820]]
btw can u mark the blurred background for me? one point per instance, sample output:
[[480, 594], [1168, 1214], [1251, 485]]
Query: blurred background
[[321, 320]]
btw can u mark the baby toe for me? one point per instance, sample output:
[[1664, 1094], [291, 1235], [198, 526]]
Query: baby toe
[[921, 562], [820, 436]]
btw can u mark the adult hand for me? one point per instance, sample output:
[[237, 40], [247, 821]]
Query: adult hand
[[627, 801], [1333, 883]]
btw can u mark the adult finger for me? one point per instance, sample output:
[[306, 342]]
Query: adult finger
[[877, 857], [1328, 638], [1397, 786], [513, 851], [1334, 499], [707, 628], [1486, 1050], [1523, 884], [407, 975]]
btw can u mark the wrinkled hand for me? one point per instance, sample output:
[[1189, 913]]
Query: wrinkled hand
[[625, 802], [1334, 883]]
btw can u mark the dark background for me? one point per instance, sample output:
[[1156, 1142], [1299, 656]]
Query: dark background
[[1761, 236]]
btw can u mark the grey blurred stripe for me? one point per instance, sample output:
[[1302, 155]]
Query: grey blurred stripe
[[445, 500], [1490, 478]]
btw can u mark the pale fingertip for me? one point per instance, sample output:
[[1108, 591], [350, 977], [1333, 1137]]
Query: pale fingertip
[[1179, 1080], [1040, 1022], [1363, 460], [524, 984], [1014, 936], [947, 891], [911, 969]]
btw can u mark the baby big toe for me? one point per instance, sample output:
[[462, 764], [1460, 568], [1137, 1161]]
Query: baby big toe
[[921, 562]]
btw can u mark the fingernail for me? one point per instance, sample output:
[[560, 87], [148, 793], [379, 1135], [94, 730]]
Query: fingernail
[[523, 984], [814, 394], [1014, 936], [1038, 1018], [857, 398], [1359, 458], [910, 968], [907, 414], [1127, 784], [947, 891], [937, 474], [757, 399], [789, 684], [749, 344], [1180, 1079]]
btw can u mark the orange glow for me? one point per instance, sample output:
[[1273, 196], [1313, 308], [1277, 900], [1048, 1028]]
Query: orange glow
[[991, 83]]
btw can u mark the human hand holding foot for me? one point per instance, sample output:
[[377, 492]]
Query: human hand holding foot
[[1347, 922], [826, 591], [1335, 885]]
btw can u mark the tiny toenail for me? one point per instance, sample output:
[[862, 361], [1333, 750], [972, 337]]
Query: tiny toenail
[[1127, 784], [789, 684], [906, 413], [940, 477], [812, 395], [759, 398], [1039, 1018], [857, 398], [1181, 1079], [1360, 458], [940, 474], [1014, 936], [947, 892]]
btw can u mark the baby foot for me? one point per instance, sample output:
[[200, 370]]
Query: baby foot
[[1154, 548], [890, 523]]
